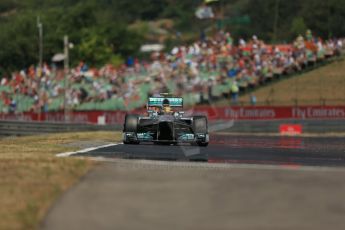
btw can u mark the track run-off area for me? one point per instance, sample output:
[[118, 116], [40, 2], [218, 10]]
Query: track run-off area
[[237, 182]]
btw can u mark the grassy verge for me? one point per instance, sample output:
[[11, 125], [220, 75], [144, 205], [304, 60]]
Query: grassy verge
[[31, 177]]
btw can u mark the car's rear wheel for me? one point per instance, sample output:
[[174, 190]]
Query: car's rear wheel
[[202, 144], [131, 142], [200, 124], [200, 127], [165, 143], [131, 123], [130, 126]]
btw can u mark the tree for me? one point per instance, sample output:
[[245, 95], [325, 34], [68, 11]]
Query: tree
[[94, 49], [102, 25], [298, 27]]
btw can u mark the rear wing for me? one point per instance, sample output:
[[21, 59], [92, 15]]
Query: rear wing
[[158, 101]]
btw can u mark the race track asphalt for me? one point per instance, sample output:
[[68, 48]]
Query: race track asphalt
[[263, 183], [230, 149]]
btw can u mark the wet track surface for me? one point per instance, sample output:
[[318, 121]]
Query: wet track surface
[[287, 151]]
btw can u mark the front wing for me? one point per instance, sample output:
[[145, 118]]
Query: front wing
[[178, 131]]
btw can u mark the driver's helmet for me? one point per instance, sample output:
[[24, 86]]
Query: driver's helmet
[[166, 106]]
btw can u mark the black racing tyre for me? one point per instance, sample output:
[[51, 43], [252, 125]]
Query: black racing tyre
[[164, 143], [200, 127], [200, 124], [131, 126], [131, 123], [203, 144], [131, 142]]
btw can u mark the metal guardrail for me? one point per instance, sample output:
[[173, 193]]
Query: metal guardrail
[[20, 128]]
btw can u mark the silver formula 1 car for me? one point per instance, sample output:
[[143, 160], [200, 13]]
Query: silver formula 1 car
[[165, 124]]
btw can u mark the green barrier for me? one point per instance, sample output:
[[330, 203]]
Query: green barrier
[[53, 105], [2, 106], [4, 88], [24, 103]]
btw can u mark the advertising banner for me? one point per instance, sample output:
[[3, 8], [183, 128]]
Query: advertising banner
[[213, 113]]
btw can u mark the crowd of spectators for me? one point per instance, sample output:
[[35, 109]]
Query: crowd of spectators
[[206, 69]]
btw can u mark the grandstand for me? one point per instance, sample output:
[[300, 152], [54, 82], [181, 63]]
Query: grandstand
[[201, 72]]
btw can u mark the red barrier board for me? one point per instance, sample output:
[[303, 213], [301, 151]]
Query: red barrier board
[[273, 113], [213, 113]]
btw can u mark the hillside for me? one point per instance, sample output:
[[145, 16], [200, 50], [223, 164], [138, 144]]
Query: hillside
[[325, 85]]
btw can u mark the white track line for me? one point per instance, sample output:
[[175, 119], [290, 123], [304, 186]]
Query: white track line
[[84, 150]]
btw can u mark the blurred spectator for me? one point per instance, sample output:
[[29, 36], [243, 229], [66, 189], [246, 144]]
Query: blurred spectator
[[13, 106], [252, 99], [234, 92]]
